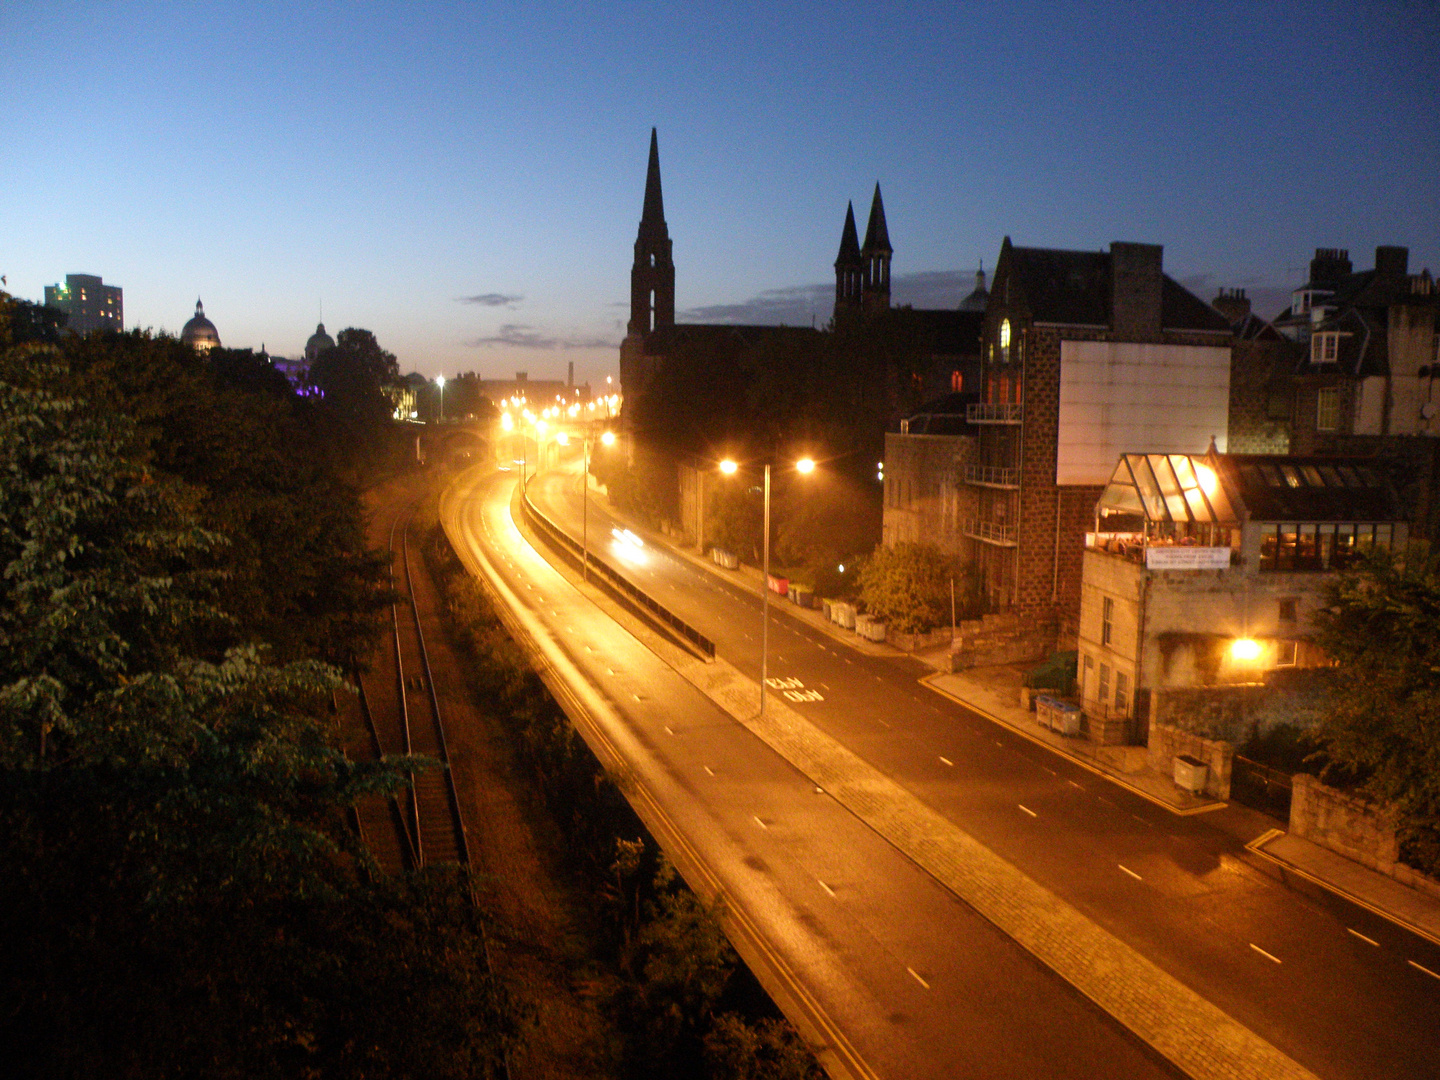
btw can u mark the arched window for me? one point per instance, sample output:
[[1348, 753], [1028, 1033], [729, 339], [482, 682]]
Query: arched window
[[1005, 341]]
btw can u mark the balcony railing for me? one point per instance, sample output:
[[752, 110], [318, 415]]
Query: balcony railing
[[987, 413], [992, 476], [991, 532]]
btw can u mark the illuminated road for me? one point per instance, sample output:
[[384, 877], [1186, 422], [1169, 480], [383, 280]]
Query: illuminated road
[[1300, 970], [860, 944]]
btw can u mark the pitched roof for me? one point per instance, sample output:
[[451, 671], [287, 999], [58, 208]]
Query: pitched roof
[[1276, 487], [877, 236], [1073, 288]]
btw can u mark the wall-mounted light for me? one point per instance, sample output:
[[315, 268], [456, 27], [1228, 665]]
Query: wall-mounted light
[[1245, 649]]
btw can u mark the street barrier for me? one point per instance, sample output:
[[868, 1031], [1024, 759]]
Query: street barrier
[[620, 588]]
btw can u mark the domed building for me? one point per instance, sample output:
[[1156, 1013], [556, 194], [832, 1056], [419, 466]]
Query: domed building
[[200, 333], [318, 343]]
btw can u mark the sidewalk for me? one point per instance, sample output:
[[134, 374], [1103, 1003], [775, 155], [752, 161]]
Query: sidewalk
[[994, 693]]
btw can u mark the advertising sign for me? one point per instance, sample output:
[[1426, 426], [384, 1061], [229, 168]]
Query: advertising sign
[[1187, 558]]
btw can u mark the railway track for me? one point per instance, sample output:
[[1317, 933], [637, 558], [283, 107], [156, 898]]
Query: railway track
[[400, 712]]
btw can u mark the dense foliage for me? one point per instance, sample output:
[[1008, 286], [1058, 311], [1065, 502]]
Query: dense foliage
[[181, 894], [909, 586], [1382, 626]]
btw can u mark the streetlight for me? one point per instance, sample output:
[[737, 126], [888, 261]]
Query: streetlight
[[804, 466], [440, 382]]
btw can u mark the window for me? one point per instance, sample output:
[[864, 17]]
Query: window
[[1327, 409], [1104, 695], [1325, 348], [1005, 341], [1285, 653], [1107, 618], [1089, 674], [1287, 609], [1122, 692]]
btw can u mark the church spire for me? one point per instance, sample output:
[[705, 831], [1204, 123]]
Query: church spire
[[849, 265], [652, 277], [876, 254]]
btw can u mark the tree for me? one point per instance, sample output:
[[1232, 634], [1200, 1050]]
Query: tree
[[181, 895], [359, 381], [1381, 624], [908, 585]]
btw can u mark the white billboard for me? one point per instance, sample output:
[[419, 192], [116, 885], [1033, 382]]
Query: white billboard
[[1121, 397]]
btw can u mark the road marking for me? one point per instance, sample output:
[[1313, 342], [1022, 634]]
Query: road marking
[[1423, 968], [1076, 786], [1000, 744], [637, 697], [947, 761], [1051, 771], [708, 770], [1132, 873], [827, 888], [914, 975], [1263, 953], [761, 823], [1027, 810], [1106, 801], [1362, 937], [668, 731], [1142, 821]]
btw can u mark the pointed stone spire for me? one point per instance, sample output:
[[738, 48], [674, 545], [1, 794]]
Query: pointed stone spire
[[877, 236], [652, 218], [652, 276], [849, 240]]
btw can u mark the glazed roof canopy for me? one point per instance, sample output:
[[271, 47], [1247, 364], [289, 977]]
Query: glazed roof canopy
[[1231, 488]]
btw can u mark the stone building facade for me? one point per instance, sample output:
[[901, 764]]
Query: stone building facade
[[1083, 353]]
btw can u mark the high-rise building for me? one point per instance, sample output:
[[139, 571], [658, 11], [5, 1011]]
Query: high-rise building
[[88, 303]]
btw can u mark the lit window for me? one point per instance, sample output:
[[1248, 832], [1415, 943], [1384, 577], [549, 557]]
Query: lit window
[[1327, 409], [1005, 340], [1325, 348]]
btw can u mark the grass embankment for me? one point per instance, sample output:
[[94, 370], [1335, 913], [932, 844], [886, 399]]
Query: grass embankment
[[672, 996]]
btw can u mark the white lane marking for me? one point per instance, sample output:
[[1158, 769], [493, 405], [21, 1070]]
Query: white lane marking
[[708, 770], [1000, 744], [882, 723], [668, 731], [1027, 810], [1423, 968], [1051, 771], [827, 888], [915, 975], [947, 761], [1142, 821], [1362, 937], [760, 823], [1263, 953], [1106, 801], [1074, 785], [1132, 873], [637, 697]]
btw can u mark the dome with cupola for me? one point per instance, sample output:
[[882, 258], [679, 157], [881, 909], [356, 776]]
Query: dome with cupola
[[200, 333], [318, 343]]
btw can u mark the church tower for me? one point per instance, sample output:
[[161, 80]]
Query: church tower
[[652, 278], [849, 266], [875, 257]]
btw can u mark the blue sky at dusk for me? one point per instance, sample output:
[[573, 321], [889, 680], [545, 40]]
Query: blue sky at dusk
[[465, 180]]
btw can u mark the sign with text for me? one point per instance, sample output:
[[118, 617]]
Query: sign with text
[[1187, 558]]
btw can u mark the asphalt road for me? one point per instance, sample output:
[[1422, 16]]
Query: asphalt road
[[1327, 982], [909, 981]]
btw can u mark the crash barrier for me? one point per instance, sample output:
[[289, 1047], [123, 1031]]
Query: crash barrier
[[620, 588]]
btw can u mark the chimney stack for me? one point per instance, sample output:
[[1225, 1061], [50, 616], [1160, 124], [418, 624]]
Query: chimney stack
[[1233, 304], [1329, 267], [1136, 282], [1392, 261]]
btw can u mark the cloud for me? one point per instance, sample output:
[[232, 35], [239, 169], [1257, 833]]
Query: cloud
[[521, 336], [1267, 298], [490, 299], [799, 305]]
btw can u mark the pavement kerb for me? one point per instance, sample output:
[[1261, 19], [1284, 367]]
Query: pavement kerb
[[1189, 1031], [932, 682], [1258, 847]]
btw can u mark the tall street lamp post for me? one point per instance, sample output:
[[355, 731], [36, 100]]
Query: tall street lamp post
[[803, 466], [440, 382]]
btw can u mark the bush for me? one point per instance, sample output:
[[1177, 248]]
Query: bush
[[908, 585]]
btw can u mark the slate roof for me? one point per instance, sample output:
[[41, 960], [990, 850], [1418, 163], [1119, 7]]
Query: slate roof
[[1276, 487], [1073, 288]]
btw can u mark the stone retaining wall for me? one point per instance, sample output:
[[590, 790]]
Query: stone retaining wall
[[1353, 826], [1167, 743]]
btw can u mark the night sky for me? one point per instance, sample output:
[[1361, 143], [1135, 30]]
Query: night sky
[[465, 179]]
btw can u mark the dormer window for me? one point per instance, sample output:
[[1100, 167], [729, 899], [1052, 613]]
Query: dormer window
[[1325, 347], [1301, 303], [1005, 341]]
